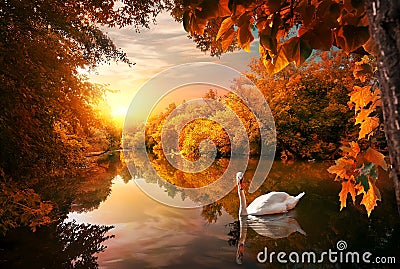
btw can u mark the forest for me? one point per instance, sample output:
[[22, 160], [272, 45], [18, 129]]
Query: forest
[[310, 107], [328, 69], [314, 112]]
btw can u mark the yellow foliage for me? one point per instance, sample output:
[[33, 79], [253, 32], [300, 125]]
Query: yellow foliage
[[362, 96], [368, 126], [370, 197], [354, 180], [353, 150], [343, 168], [375, 157], [363, 114], [276, 64], [347, 187]]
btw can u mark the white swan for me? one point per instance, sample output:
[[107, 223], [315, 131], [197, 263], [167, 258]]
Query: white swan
[[270, 203]]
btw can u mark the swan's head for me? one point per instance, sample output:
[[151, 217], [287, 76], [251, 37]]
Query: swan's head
[[239, 179]]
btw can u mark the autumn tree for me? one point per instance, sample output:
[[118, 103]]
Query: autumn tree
[[310, 104], [206, 122], [290, 30], [384, 28], [48, 109]]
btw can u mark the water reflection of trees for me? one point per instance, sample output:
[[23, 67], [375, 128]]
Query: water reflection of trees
[[95, 185], [292, 178], [63, 245], [56, 244], [318, 212], [160, 172]]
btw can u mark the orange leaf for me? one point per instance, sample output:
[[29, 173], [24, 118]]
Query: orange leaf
[[376, 157], [296, 50], [368, 126], [209, 9], [269, 43], [350, 37], [306, 12], [363, 114], [353, 150], [361, 96], [351, 6], [225, 26], [347, 187], [276, 64], [223, 9], [227, 39], [329, 11], [245, 37], [343, 168], [371, 47], [370, 198], [363, 68], [193, 24]]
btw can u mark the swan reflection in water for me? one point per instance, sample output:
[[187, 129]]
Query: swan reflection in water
[[271, 226]]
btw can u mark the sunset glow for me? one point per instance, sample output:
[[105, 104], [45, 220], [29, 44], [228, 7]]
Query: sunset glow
[[151, 56]]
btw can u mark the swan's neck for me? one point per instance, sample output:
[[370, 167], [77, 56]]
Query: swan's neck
[[242, 200]]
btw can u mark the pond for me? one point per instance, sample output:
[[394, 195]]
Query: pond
[[148, 234], [152, 235]]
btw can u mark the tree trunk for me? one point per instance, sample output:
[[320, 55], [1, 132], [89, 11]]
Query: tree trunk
[[384, 18]]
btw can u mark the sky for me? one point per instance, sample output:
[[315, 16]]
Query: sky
[[153, 50]]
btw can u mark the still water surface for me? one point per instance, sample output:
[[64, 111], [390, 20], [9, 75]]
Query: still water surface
[[152, 235]]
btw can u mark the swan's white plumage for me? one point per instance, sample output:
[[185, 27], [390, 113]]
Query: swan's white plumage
[[270, 203]]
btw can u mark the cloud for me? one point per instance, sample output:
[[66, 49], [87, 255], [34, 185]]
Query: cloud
[[153, 50]]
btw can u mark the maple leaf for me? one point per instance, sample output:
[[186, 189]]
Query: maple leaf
[[370, 197], [368, 126], [343, 168], [363, 69], [361, 96], [375, 157], [363, 114], [363, 174], [353, 150], [347, 187]]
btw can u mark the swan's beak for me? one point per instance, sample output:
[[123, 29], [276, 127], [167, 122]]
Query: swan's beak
[[239, 179]]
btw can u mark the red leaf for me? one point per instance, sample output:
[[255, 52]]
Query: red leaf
[[350, 37]]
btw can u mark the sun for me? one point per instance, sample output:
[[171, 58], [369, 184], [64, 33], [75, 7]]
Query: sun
[[118, 115]]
